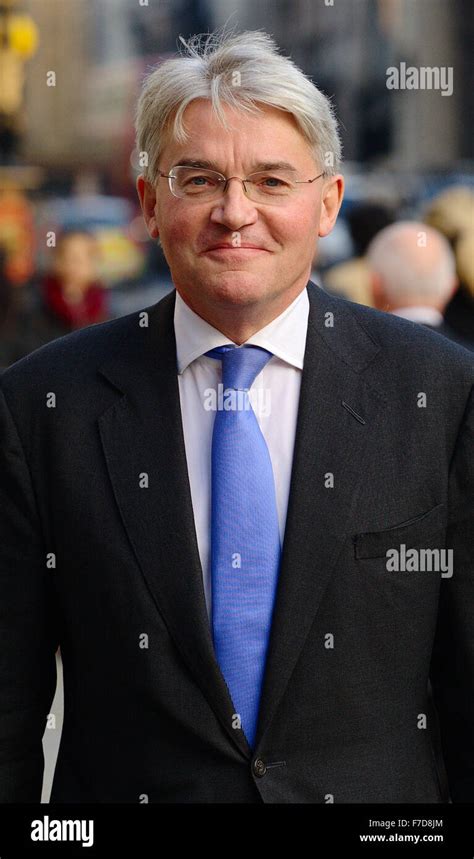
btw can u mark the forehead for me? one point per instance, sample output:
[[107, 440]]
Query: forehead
[[270, 135]]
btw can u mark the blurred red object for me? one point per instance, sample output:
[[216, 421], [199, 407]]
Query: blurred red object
[[91, 308]]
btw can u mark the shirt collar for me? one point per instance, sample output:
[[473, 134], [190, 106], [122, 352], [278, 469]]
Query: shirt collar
[[419, 313], [284, 336]]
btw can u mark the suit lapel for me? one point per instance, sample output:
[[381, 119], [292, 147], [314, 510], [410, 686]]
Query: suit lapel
[[329, 439], [142, 434]]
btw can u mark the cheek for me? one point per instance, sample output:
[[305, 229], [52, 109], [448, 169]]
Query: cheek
[[179, 229], [295, 230]]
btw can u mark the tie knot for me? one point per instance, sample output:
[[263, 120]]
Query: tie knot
[[240, 364]]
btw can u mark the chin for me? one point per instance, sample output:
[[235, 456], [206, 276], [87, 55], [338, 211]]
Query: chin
[[236, 287]]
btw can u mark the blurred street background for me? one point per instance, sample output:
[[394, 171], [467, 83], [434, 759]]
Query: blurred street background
[[71, 72], [73, 246]]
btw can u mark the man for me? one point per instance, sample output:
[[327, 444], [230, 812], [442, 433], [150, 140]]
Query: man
[[214, 571], [351, 278], [413, 274]]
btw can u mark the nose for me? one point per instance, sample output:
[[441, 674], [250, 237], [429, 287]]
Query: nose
[[233, 209]]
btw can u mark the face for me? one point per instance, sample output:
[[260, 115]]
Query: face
[[277, 268], [75, 263]]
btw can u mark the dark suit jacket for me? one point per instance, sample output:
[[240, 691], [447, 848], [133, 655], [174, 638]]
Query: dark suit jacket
[[451, 334], [459, 314], [348, 718]]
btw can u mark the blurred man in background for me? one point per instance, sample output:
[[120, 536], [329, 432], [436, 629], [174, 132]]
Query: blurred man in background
[[413, 273], [351, 278]]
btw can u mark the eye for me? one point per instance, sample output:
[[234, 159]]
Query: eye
[[199, 180], [272, 182]]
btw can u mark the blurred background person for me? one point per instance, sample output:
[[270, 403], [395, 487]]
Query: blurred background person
[[71, 292], [68, 296], [351, 278], [413, 274], [452, 213]]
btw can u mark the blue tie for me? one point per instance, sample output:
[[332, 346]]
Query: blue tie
[[245, 539]]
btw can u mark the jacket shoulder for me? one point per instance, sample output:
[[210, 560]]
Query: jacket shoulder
[[74, 356], [402, 339]]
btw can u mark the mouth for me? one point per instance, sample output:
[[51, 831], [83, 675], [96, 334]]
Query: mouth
[[236, 249]]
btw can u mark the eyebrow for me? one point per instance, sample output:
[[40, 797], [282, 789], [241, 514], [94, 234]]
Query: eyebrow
[[262, 165]]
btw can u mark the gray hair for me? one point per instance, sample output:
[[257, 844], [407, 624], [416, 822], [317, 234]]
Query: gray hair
[[412, 261], [241, 70]]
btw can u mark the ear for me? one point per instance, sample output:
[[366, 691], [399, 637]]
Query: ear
[[454, 288], [379, 299], [333, 192], [147, 196]]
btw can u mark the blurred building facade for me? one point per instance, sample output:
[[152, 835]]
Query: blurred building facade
[[100, 49], [347, 45]]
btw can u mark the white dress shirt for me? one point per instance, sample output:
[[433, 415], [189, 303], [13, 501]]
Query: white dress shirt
[[420, 313], [274, 395]]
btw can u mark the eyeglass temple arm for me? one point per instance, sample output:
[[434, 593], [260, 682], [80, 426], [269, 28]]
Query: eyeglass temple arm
[[305, 181]]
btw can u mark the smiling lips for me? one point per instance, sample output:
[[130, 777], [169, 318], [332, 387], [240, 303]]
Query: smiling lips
[[225, 246]]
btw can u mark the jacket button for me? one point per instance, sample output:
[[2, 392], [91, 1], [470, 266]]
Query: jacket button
[[259, 768]]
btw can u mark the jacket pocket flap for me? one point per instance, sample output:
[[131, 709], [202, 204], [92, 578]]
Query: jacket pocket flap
[[375, 544]]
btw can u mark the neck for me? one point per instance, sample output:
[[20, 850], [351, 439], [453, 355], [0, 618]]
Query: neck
[[72, 291], [422, 302], [239, 322]]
